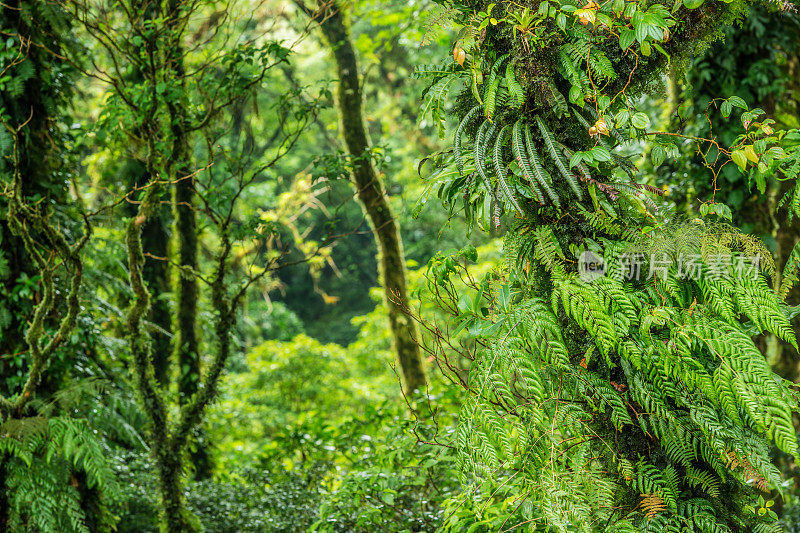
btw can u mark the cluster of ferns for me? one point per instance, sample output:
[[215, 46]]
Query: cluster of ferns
[[612, 403]]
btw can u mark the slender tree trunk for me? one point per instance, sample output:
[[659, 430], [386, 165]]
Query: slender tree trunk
[[186, 338], [155, 241], [186, 341], [168, 458], [35, 106], [173, 516], [372, 196]]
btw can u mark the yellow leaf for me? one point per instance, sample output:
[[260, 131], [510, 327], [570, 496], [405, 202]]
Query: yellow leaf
[[739, 158], [601, 126], [750, 153], [586, 16]]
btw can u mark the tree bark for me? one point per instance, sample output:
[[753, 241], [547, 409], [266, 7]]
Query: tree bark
[[35, 106], [371, 194], [155, 241], [186, 339]]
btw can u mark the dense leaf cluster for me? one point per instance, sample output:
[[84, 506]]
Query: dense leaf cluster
[[619, 402]]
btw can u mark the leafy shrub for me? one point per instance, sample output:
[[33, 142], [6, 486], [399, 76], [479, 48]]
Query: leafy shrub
[[283, 381], [394, 482], [247, 500]]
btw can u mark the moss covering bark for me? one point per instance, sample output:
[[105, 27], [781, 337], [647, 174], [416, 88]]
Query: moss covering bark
[[372, 195]]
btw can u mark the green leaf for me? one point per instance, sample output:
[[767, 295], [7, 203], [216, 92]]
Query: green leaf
[[658, 154], [641, 31], [777, 152], [576, 95], [504, 297], [738, 102], [739, 158], [640, 121], [721, 210], [622, 118], [626, 38], [601, 153], [692, 4], [761, 182]]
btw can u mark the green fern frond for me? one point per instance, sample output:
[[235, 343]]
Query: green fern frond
[[514, 87], [521, 155], [435, 99], [702, 479], [482, 140], [500, 169], [457, 151], [791, 270], [547, 250], [556, 157], [490, 97], [542, 176]]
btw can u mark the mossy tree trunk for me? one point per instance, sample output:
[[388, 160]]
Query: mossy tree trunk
[[168, 462], [156, 271], [186, 234], [31, 108], [31, 105], [371, 193]]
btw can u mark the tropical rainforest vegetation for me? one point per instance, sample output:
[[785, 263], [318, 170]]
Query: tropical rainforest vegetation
[[435, 265]]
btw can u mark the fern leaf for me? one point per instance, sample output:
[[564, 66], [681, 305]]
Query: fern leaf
[[557, 159], [490, 97], [541, 175], [500, 169], [521, 155], [514, 87], [791, 271], [457, 151]]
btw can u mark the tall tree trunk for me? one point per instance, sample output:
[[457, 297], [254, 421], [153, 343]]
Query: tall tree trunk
[[173, 515], [155, 241], [186, 338], [371, 193], [34, 104], [186, 341], [31, 109]]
